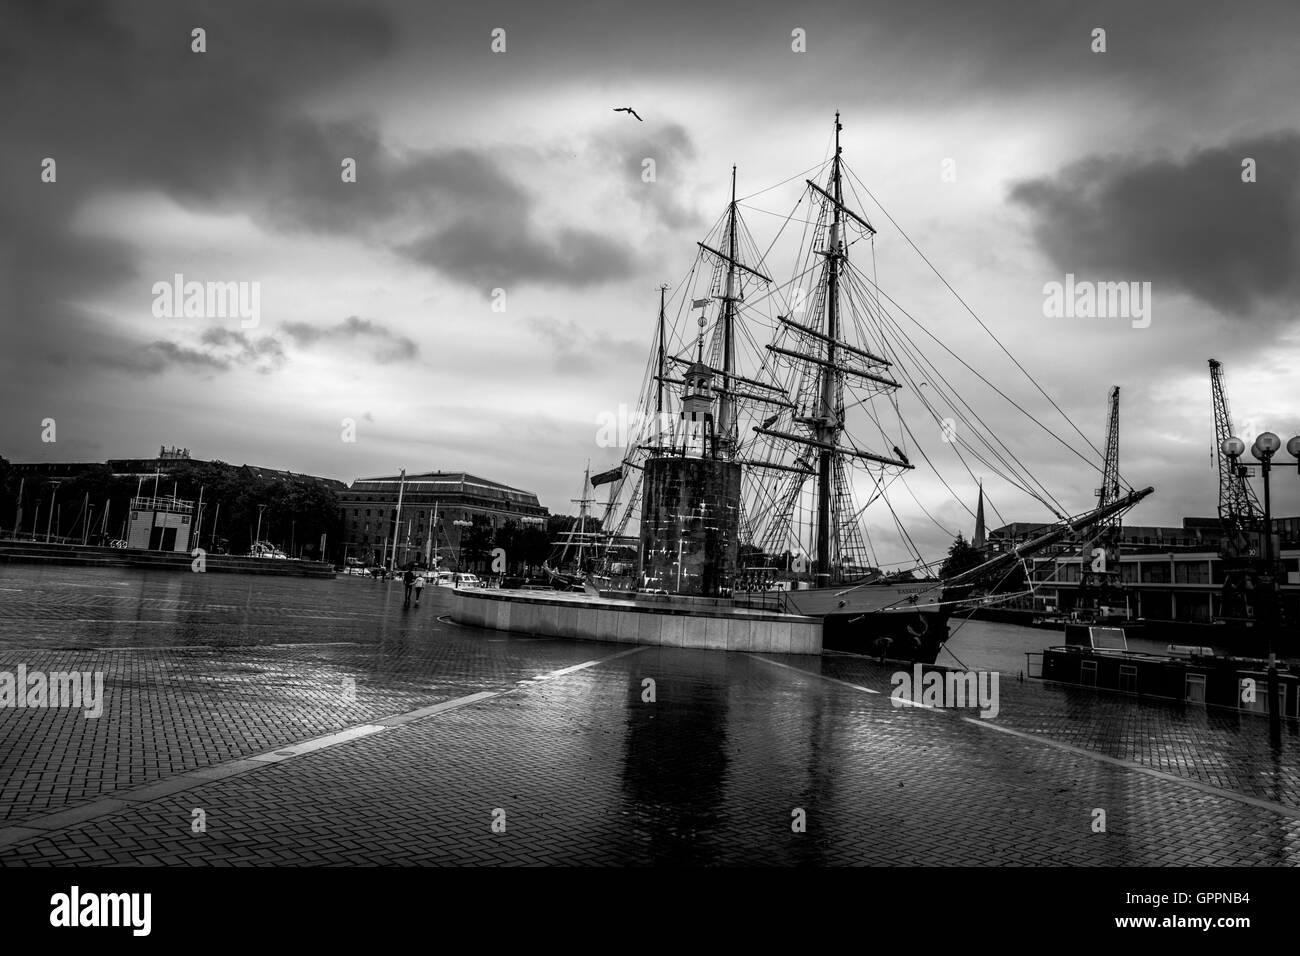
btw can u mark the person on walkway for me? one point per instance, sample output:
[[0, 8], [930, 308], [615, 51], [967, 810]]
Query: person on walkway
[[408, 579], [419, 588]]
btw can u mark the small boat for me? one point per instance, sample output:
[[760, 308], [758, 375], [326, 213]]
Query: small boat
[[264, 549]]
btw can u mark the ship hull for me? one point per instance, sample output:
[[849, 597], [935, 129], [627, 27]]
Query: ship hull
[[907, 622], [914, 636]]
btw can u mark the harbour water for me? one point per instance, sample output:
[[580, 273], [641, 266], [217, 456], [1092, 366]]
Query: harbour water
[[124, 606], [992, 646]]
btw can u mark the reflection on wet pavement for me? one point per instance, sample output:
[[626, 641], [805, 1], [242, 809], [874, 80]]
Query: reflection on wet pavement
[[716, 765]]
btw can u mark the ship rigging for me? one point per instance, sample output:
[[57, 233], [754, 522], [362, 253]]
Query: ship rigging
[[814, 386]]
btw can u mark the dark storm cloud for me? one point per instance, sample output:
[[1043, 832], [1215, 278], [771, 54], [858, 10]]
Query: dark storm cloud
[[493, 254], [881, 54], [1187, 224], [221, 350], [388, 345], [671, 149], [263, 353], [491, 238], [115, 96], [160, 356]]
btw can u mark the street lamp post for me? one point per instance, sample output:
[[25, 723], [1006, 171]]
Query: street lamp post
[[1265, 447]]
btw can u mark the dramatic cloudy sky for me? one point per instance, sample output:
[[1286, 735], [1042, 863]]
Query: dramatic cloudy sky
[[481, 170]]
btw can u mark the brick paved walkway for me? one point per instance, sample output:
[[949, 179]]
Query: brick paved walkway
[[207, 693]]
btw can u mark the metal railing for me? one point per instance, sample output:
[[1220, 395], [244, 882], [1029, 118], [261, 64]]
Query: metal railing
[[173, 505]]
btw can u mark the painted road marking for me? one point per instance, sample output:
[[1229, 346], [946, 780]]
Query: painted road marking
[[797, 670], [599, 660], [50, 824], [1281, 808], [319, 743], [1140, 768]]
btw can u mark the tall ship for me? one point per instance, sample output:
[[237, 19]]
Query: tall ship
[[781, 417]]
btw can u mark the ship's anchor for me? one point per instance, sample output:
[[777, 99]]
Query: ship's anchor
[[925, 627]]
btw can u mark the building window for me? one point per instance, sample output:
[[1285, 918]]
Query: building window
[[1155, 572]]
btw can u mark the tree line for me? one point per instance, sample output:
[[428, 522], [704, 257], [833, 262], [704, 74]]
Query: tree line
[[296, 509]]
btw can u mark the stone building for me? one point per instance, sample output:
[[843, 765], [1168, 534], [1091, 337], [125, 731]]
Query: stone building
[[432, 504]]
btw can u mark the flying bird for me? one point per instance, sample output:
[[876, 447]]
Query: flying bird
[[628, 109]]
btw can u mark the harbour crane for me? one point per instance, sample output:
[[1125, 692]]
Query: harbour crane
[[1100, 573], [1248, 582], [1240, 514]]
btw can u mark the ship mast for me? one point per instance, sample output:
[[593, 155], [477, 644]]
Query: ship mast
[[825, 413], [582, 504], [731, 295], [659, 377], [828, 424], [726, 407]]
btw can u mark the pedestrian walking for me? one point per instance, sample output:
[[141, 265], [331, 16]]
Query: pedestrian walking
[[408, 579], [419, 588]]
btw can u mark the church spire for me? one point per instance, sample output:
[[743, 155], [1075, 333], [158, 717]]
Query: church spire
[[980, 542]]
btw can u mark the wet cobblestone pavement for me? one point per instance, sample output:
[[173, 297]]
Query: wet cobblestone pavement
[[214, 683]]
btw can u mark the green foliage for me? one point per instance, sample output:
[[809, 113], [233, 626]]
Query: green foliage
[[299, 509], [534, 546], [476, 541], [961, 557]]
